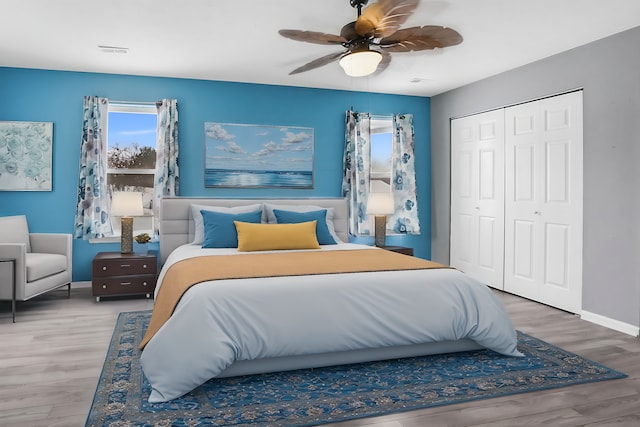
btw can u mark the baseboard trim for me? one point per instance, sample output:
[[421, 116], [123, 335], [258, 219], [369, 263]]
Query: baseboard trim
[[610, 323], [85, 284]]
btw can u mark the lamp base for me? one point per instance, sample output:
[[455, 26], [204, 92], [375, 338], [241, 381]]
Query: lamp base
[[126, 235], [380, 229]]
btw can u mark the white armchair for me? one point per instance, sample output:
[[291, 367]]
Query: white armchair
[[31, 263]]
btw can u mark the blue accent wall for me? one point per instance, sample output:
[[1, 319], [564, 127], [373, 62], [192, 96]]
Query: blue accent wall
[[56, 96]]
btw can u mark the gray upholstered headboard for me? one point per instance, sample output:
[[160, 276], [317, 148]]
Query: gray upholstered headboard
[[177, 226]]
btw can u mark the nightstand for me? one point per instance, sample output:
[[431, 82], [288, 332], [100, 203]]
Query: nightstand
[[399, 249], [117, 274]]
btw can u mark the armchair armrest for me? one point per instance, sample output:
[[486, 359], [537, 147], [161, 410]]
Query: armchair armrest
[[53, 243], [17, 251]]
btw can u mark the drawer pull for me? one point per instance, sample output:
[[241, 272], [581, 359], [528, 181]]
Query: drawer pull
[[144, 283], [104, 268], [125, 283], [104, 286], [144, 265], [125, 265]]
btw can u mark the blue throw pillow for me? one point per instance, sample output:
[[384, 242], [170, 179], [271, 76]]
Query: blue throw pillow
[[219, 229], [322, 230]]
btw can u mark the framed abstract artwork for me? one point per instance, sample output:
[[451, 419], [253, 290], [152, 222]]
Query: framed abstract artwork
[[239, 155], [26, 150]]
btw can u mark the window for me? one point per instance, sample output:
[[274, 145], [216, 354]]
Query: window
[[131, 157], [380, 169]]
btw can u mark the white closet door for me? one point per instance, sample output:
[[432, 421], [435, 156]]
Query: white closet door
[[543, 201], [477, 196]]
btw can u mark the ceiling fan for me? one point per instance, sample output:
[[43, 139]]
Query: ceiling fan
[[376, 32]]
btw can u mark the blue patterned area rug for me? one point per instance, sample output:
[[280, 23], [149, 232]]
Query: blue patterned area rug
[[318, 396]]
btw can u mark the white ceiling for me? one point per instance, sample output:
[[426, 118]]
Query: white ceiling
[[239, 40]]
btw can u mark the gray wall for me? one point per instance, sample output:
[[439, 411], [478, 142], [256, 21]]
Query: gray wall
[[609, 72]]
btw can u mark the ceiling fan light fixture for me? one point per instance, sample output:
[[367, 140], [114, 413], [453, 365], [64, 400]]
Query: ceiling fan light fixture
[[361, 63]]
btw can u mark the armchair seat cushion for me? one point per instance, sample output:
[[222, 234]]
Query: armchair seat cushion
[[43, 265]]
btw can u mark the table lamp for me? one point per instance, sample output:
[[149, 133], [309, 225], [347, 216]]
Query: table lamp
[[126, 204], [380, 205]]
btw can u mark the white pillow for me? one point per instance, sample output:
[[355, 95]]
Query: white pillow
[[271, 217], [198, 238]]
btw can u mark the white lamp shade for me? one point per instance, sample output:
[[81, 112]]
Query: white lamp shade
[[126, 203], [359, 64], [380, 204]]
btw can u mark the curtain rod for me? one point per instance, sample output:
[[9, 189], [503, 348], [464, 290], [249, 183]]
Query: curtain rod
[[134, 102], [382, 116]]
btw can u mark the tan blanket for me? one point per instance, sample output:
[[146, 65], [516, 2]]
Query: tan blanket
[[186, 273]]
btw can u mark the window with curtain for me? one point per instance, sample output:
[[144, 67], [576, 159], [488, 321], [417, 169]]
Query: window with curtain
[[125, 147], [379, 157]]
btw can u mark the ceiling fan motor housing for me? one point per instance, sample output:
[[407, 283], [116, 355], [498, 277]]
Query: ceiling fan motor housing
[[349, 32]]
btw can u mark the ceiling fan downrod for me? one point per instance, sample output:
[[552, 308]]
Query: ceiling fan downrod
[[358, 4]]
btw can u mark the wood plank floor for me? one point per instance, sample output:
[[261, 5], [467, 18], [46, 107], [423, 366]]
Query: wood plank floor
[[51, 358]]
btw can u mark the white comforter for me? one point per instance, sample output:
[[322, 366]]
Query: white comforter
[[217, 323]]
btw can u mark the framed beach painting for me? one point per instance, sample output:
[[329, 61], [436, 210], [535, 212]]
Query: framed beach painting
[[26, 156], [239, 155]]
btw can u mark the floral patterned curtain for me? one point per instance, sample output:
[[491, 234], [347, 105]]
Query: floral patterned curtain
[[92, 210], [405, 219], [355, 179], [166, 175]]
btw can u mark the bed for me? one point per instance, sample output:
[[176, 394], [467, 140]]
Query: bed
[[256, 309]]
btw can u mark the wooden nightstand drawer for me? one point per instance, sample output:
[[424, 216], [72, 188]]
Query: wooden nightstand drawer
[[124, 266], [124, 285]]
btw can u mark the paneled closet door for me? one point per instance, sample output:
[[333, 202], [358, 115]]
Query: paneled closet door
[[543, 201], [477, 196]]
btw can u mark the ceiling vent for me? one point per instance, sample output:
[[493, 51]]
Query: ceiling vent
[[113, 49]]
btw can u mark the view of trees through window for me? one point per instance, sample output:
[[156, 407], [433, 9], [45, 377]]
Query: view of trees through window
[[128, 159]]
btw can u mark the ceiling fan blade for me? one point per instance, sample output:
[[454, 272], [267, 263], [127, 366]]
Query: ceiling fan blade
[[386, 60], [312, 37], [420, 38], [324, 60], [384, 18]]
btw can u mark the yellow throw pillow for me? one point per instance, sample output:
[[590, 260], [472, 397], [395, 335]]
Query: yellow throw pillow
[[269, 237]]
